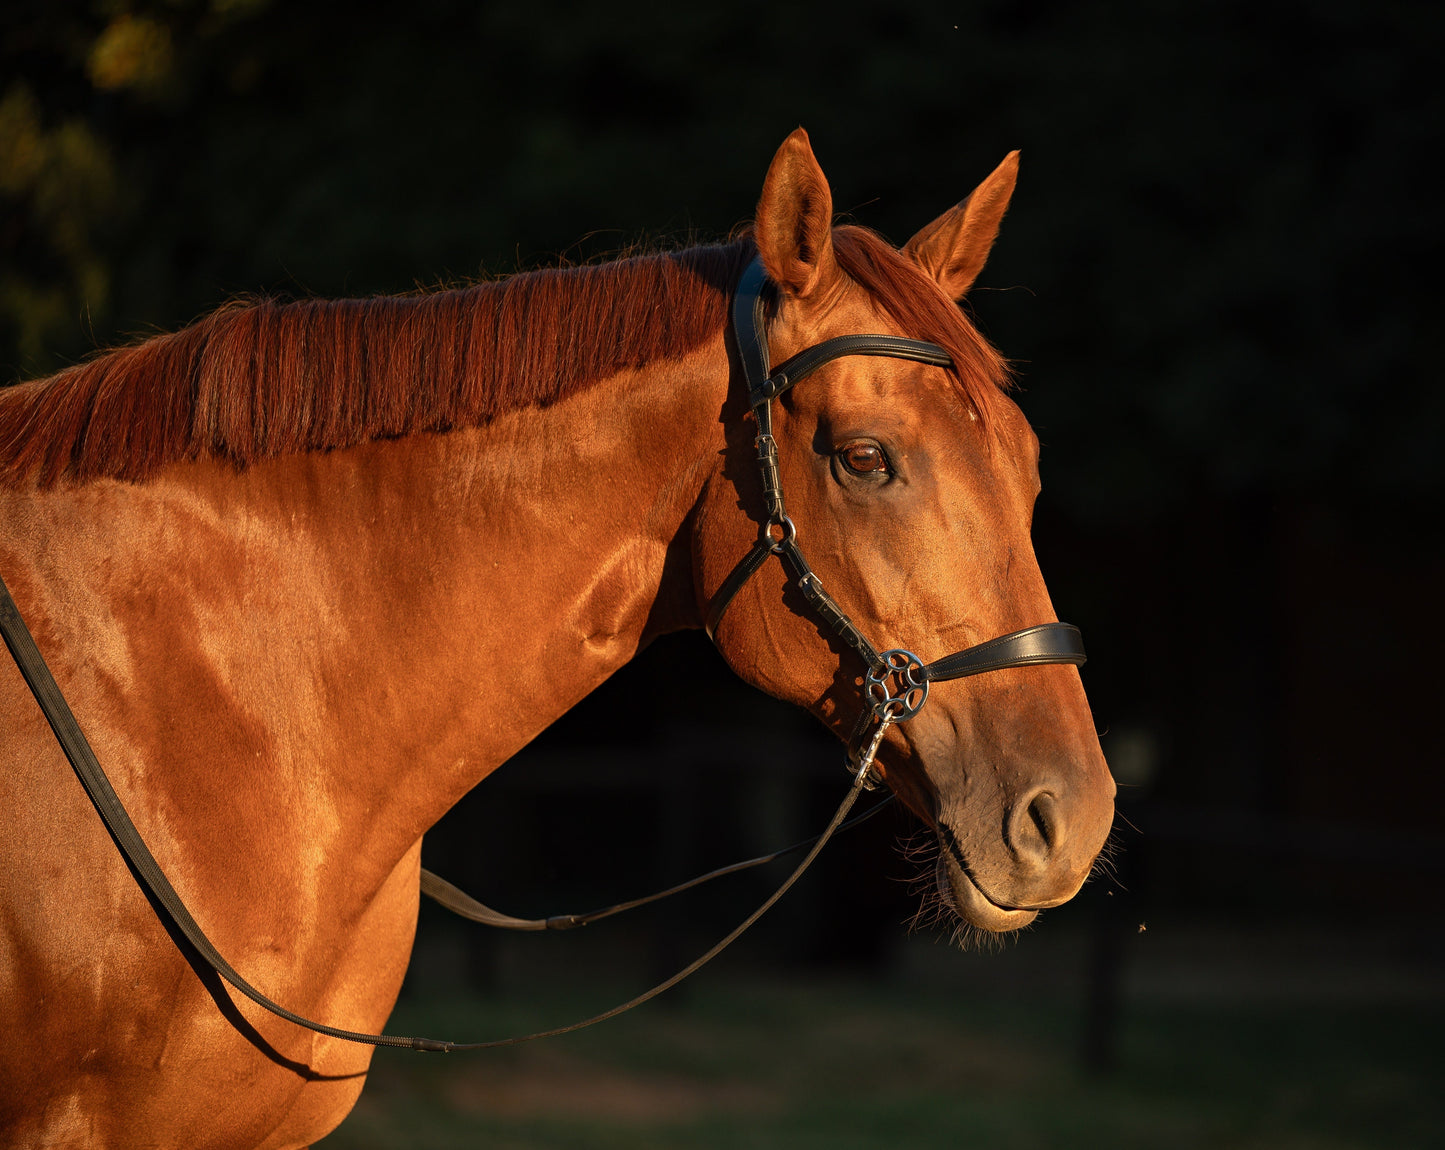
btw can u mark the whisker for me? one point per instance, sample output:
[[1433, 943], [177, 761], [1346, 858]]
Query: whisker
[[936, 913]]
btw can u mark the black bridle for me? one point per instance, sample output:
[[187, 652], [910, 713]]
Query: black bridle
[[895, 681], [896, 686]]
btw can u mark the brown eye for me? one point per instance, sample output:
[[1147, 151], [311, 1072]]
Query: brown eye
[[864, 459]]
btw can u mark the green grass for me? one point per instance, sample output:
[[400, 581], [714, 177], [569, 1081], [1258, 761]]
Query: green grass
[[853, 1065]]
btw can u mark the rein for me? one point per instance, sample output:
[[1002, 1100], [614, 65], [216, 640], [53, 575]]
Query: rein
[[460, 903], [895, 688], [148, 872]]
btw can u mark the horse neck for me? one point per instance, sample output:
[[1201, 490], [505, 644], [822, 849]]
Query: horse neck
[[494, 576], [361, 636]]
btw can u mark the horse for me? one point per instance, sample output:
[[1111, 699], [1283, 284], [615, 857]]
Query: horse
[[308, 572]]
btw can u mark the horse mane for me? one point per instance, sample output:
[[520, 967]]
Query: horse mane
[[922, 311], [254, 380]]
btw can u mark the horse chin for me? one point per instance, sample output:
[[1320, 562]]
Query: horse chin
[[962, 895]]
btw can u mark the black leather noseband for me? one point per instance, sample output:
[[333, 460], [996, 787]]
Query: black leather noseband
[[896, 681]]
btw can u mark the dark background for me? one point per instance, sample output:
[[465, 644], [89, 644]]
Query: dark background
[[1219, 281]]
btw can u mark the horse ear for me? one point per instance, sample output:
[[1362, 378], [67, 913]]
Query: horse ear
[[954, 247], [794, 226]]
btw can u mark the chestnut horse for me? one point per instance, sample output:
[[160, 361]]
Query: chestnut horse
[[307, 573]]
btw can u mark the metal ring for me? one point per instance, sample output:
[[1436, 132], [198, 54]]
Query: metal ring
[[790, 533], [895, 688]]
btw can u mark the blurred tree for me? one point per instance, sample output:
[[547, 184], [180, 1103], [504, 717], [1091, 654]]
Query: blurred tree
[[57, 188], [83, 84]]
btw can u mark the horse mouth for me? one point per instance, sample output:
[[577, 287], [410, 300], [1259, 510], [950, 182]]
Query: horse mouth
[[964, 896]]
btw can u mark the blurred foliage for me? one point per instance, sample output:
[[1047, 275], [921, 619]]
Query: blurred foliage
[[81, 86], [132, 52], [58, 183]]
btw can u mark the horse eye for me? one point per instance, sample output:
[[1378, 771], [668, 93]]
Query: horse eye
[[864, 459]]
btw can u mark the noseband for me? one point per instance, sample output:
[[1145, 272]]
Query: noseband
[[896, 681]]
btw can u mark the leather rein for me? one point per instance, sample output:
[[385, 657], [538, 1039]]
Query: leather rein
[[895, 689]]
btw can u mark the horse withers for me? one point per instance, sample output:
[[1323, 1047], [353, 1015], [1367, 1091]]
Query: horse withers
[[307, 573]]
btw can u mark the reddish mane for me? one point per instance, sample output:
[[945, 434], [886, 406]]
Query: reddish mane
[[256, 380], [922, 311]]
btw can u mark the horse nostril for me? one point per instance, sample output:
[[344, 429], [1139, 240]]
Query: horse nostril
[[1040, 815], [1036, 827]]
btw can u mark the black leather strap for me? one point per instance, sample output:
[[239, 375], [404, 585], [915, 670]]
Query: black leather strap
[[746, 568], [460, 903], [797, 368], [748, 322], [1045, 643], [127, 838], [826, 607]]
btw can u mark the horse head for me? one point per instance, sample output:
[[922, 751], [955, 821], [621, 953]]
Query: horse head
[[910, 487]]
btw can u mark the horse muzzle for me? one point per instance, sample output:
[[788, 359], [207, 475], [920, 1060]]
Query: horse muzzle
[[1002, 861]]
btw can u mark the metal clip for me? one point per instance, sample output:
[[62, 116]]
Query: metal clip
[[863, 773]]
